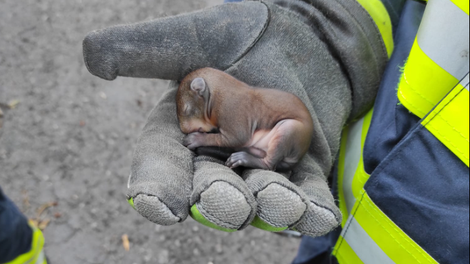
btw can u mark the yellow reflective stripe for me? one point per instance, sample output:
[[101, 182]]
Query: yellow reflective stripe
[[438, 58], [361, 176], [462, 4], [351, 173], [32, 255], [449, 123], [398, 246], [379, 14], [345, 254], [391, 239], [423, 83]]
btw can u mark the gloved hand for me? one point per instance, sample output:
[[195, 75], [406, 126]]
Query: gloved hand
[[328, 53]]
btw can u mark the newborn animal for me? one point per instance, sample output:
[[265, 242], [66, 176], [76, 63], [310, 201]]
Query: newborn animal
[[258, 127]]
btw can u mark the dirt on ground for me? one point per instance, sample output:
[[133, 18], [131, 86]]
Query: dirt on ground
[[67, 138]]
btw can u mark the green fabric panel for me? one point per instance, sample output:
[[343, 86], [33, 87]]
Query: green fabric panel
[[196, 215], [259, 223], [131, 202]]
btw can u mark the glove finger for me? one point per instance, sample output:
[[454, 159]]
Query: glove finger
[[170, 48], [322, 214], [161, 173], [220, 198], [280, 203]]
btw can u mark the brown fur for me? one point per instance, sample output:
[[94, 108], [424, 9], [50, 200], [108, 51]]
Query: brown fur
[[272, 128]]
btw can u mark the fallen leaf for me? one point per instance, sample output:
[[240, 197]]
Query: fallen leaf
[[43, 224], [57, 215], [125, 242], [44, 207], [13, 103]]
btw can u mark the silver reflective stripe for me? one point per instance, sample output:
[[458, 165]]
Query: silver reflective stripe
[[464, 82], [351, 160], [361, 243], [443, 36], [40, 259], [36, 253]]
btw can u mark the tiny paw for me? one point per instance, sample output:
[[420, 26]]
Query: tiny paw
[[238, 159], [193, 140]]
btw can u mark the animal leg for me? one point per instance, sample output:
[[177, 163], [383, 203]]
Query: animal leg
[[288, 144], [245, 159]]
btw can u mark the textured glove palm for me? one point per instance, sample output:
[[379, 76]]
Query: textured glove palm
[[328, 53]]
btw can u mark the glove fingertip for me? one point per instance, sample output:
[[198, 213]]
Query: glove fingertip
[[155, 210], [97, 58], [261, 224], [196, 215]]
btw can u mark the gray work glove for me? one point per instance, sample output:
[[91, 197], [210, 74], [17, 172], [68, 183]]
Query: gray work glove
[[328, 53]]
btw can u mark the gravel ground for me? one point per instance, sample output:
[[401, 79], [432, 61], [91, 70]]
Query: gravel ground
[[67, 139]]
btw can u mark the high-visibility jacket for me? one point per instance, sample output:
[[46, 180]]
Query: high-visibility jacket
[[403, 176]]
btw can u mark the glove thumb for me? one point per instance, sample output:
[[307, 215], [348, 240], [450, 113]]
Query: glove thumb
[[170, 48]]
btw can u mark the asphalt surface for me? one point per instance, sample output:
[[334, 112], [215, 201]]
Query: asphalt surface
[[67, 139]]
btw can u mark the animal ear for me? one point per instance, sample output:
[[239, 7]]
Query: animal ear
[[198, 85]]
